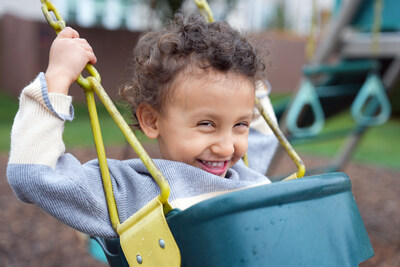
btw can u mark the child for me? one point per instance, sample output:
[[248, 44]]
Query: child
[[193, 90]]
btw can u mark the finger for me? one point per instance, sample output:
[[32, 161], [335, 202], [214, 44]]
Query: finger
[[89, 55], [92, 58], [82, 41], [87, 47], [68, 32], [89, 51]]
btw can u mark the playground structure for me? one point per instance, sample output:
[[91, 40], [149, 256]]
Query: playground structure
[[312, 220], [355, 67]]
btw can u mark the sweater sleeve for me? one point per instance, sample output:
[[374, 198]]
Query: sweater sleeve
[[40, 172], [36, 136]]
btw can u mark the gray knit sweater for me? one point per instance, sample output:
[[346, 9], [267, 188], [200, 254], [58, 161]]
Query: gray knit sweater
[[40, 172]]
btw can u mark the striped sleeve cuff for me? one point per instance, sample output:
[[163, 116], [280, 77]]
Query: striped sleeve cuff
[[59, 104]]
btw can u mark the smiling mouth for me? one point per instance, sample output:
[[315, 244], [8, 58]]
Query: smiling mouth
[[214, 167]]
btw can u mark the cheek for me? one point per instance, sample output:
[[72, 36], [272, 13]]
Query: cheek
[[187, 149], [241, 145]]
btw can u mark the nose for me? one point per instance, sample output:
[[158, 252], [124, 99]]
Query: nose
[[224, 146]]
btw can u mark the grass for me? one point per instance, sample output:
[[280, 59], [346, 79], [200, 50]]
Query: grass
[[76, 134], [79, 133], [8, 109], [379, 145]]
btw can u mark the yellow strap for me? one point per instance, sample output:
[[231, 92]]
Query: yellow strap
[[147, 240]]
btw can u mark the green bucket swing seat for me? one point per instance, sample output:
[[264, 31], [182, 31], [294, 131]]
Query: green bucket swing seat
[[312, 221]]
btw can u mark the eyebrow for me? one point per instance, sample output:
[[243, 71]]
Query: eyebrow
[[212, 115]]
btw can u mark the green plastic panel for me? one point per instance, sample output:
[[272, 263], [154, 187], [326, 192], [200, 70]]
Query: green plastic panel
[[364, 18], [311, 221]]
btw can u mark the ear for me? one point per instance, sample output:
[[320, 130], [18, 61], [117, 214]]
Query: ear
[[147, 118]]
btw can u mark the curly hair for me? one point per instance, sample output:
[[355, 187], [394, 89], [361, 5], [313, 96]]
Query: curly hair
[[187, 41]]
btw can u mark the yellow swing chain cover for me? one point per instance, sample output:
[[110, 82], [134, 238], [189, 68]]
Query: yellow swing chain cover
[[146, 238]]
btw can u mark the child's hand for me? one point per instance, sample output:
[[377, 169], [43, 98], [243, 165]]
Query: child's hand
[[69, 55]]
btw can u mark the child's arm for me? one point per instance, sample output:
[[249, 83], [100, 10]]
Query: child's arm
[[44, 104], [38, 170]]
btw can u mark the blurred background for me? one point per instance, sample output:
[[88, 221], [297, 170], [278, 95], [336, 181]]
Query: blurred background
[[332, 68]]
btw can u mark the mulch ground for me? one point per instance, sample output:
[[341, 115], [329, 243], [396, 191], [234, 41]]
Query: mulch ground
[[30, 237]]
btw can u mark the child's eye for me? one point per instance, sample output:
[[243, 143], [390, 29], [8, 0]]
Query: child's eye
[[206, 124], [241, 127], [242, 124]]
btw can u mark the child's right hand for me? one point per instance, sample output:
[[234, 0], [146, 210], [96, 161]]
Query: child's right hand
[[69, 55]]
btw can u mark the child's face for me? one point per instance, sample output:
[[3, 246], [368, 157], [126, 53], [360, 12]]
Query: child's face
[[206, 122]]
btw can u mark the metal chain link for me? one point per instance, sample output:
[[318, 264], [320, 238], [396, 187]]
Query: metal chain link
[[58, 26]]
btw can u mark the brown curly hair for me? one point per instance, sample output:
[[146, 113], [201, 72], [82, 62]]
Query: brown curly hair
[[187, 41]]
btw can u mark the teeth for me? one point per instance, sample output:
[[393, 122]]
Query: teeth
[[213, 163]]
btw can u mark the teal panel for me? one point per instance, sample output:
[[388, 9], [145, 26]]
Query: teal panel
[[96, 250], [110, 248], [390, 15], [312, 221]]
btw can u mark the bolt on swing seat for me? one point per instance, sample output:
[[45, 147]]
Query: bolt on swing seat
[[312, 221]]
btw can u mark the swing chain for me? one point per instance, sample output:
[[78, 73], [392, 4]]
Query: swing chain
[[58, 25], [311, 43], [376, 26], [205, 10], [91, 85], [301, 169]]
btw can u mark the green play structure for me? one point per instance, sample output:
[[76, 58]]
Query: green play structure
[[310, 221], [355, 68]]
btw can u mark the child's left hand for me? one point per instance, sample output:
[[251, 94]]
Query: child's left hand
[[69, 55]]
